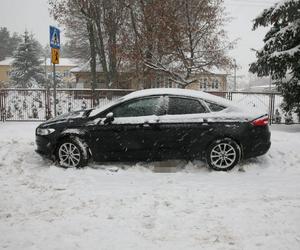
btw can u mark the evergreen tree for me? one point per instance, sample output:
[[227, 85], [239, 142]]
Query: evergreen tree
[[8, 43], [280, 56], [4, 42], [26, 68]]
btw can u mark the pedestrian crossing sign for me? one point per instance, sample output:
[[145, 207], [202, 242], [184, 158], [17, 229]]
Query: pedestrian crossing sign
[[54, 37]]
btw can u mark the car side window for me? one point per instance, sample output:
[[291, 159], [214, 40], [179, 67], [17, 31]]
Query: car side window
[[215, 107], [140, 107], [179, 106]]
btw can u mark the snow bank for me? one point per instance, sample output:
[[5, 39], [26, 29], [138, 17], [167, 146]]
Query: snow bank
[[130, 206]]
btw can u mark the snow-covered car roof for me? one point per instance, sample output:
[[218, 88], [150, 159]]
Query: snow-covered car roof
[[167, 91], [179, 92]]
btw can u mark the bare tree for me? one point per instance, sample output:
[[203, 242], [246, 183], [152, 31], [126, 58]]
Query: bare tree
[[177, 37], [180, 37]]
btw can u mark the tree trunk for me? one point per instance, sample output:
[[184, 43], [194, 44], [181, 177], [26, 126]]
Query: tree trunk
[[91, 34], [112, 53], [101, 49]]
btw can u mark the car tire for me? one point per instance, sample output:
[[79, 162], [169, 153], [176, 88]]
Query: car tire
[[223, 155], [72, 152]]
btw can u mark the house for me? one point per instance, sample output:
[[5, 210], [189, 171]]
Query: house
[[212, 80], [62, 69]]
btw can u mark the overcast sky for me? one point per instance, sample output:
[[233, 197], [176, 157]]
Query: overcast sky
[[33, 15]]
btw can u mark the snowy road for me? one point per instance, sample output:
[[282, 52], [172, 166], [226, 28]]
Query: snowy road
[[45, 207]]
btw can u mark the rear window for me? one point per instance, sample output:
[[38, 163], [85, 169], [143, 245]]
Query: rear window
[[180, 106], [215, 107]]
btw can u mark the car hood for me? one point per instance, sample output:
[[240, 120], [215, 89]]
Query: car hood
[[74, 115]]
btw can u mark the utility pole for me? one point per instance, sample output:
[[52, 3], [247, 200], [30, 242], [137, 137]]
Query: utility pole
[[45, 66], [55, 46], [54, 88], [234, 86]]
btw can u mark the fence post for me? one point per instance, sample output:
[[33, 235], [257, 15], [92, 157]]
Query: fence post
[[2, 106], [271, 107]]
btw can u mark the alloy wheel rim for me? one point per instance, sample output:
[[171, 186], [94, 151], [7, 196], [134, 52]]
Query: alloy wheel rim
[[223, 155], [69, 155]]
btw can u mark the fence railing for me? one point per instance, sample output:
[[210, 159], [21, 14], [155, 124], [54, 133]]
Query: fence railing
[[38, 104]]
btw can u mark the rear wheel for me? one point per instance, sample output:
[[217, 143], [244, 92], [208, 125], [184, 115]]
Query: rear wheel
[[223, 155], [72, 153]]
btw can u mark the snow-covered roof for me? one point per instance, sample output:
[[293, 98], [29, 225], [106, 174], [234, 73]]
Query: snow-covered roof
[[86, 68], [70, 62], [217, 71], [62, 62], [126, 68], [6, 61]]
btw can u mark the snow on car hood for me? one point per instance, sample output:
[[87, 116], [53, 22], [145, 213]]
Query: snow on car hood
[[64, 117]]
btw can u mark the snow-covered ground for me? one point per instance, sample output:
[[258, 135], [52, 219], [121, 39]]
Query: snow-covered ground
[[46, 207]]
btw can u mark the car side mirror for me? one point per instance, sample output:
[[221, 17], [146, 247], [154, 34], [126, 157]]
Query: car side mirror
[[109, 118]]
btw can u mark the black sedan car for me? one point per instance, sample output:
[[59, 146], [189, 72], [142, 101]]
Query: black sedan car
[[157, 124]]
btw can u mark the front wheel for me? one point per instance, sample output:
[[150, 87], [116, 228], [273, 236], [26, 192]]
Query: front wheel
[[223, 155], [72, 153]]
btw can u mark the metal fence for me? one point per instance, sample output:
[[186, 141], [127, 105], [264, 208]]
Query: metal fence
[[38, 104]]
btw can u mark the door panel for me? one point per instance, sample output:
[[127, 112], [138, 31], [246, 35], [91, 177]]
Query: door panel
[[185, 128], [129, 138]]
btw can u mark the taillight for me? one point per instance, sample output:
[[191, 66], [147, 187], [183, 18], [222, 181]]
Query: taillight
[[262, 121]]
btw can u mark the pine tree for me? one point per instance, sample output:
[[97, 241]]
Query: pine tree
[[26, 70], [4, 42], [8, 43], [280, 56]]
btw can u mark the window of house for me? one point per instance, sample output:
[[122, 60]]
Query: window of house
[[178, 106], [216, 83], [205, 83]]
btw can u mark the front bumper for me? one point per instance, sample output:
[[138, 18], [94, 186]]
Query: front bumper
[[44, 146]]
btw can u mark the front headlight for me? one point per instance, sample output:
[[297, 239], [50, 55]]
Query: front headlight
[[44, 131]]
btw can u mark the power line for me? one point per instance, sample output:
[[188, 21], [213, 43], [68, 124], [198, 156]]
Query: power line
[[250, 4], [254, 2]]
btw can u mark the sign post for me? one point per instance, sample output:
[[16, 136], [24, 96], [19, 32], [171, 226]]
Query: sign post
[[55, 46]]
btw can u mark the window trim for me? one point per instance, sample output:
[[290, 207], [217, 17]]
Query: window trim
[[209, 102]]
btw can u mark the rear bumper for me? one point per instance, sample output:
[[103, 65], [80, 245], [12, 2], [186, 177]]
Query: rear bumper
[[257, 150], [256, 142]]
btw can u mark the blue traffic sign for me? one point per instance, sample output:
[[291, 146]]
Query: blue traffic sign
[[54, 37]]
